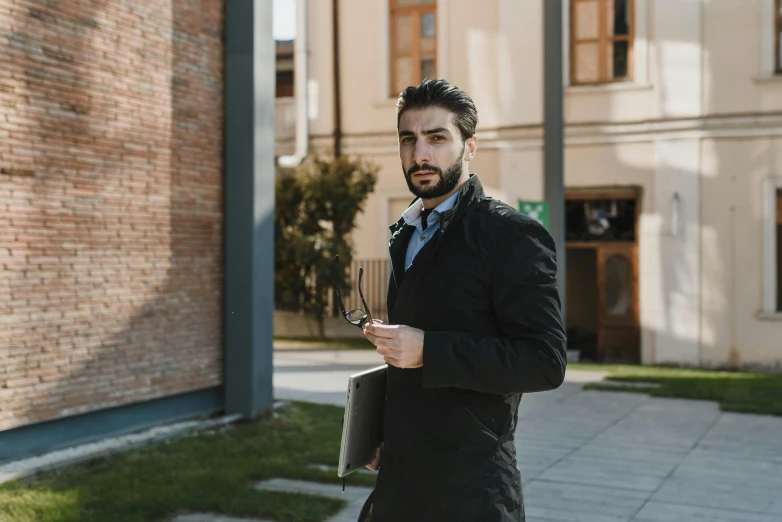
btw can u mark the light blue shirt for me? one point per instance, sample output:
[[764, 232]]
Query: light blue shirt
[[412, 217]]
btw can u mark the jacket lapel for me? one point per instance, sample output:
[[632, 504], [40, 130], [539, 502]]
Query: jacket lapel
[[397, 248]]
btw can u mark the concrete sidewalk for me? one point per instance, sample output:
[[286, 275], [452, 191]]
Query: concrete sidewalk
[[606, 456]]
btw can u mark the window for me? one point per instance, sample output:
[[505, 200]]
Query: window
[[772, 247], [779, 250], [601, 41], [284, 84], [284, 67], [413, 42], [778, 37]]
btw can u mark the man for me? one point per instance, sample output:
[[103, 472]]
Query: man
[[475, 322]]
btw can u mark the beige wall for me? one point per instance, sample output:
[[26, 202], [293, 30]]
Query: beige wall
[[732, 251], [372, 235], [321, 67], [738, 56], [698, 121]]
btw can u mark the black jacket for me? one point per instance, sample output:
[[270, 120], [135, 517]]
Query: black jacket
[[484, 291]]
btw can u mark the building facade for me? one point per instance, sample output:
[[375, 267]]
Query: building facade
[[673, 152]]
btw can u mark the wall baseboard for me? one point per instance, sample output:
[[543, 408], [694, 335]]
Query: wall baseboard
[[36, 439]]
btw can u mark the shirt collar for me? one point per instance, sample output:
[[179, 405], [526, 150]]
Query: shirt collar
[[412, 215]]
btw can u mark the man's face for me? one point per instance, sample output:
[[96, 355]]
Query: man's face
[[432, 151]]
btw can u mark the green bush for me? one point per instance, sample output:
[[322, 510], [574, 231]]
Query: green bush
[[317, 204]]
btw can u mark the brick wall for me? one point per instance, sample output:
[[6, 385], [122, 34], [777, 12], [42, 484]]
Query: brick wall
[[110, 203]]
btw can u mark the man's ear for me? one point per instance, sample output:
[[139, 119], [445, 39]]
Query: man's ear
[[470, 147]]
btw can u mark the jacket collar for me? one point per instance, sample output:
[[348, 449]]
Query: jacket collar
[[471, 191], [401, 232]]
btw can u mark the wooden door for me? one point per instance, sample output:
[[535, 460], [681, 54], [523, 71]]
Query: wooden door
[[618, 337]]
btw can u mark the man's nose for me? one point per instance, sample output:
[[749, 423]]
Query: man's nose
[[423, 152]]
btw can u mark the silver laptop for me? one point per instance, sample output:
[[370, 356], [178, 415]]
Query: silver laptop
[[362, 425]]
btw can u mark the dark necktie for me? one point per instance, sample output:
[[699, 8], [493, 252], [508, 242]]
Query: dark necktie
[[425, 217]]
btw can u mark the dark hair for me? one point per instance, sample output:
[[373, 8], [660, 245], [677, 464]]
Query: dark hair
[[440, 93]]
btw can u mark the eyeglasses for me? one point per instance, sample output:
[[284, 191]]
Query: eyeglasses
[[357, 317]]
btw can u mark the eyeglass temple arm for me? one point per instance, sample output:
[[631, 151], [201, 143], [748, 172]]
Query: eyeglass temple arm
[[360, 293], [339, 297], [339, 301]]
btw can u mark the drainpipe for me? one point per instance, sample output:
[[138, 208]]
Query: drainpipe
[[300, 78], [337, 101]]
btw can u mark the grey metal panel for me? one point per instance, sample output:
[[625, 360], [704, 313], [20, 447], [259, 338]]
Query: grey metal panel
[[36, 439], [249, 206], [553, 133]]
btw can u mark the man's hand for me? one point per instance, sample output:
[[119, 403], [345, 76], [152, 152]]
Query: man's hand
[[375, 464], [401, 346]]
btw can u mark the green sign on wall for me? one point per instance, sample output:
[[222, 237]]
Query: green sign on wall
[[537, 210]]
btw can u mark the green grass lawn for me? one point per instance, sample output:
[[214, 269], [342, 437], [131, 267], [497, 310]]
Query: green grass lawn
[[209, 472], [735, 391]]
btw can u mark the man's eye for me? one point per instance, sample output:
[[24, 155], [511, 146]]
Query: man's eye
[[438, 138], [407, 139]]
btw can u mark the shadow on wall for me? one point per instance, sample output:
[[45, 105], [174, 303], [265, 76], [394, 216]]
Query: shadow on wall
[[116, 274], [672, 228]]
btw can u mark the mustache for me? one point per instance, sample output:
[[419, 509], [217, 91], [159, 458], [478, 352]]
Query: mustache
[[424, 167]]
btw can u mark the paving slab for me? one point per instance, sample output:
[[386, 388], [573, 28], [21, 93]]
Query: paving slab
[[355, 496], [664, 512], [212, 517], [559, 501]]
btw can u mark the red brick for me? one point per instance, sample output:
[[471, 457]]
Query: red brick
[[86, 235]]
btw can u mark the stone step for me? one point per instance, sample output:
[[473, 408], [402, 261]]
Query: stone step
[[355, 496], [211, 517]]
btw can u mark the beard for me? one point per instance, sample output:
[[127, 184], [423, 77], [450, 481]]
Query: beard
[[448, 179]]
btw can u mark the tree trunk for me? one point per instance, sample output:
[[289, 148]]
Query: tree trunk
[[321, 328]]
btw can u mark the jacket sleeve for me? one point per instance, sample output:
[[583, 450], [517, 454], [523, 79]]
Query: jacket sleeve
[[532, 354]]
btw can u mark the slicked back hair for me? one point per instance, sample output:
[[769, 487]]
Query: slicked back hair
[[440, 93]]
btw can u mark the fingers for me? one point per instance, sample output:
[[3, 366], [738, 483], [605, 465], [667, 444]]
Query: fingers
[[392, 357], [388, 343], [371, 336], [375, 335], [387, 350], [399, 345], [375, 464], [380, 330]]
